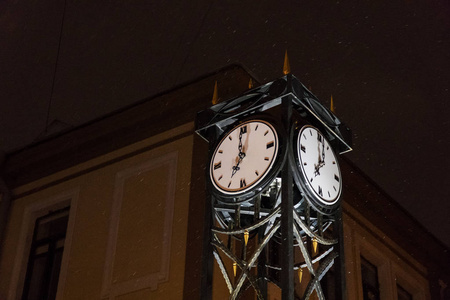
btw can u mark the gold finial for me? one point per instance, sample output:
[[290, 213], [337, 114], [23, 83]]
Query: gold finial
[[314, 244], [286, 67], [234, 268], [215, 98], [245, 237], [250, 83], [332, 104], [300, 275]]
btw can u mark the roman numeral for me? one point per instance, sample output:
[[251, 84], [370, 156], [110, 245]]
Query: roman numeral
[[319, 137], [270, 145], [243, 183], [218, 165], [244, 129], [303, 148]]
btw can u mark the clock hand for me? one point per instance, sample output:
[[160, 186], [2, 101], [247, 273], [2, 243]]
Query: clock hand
[[241, 154], [323, 152], [318, 152], [241, 131], [236, 167]]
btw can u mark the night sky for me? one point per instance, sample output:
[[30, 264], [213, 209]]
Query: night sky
[[386, 63]]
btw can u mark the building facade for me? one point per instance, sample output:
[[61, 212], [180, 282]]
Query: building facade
[[114, 209]]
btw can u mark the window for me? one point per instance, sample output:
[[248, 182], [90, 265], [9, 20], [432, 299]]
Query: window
[[369, 276], [402, 294], [44, 263]]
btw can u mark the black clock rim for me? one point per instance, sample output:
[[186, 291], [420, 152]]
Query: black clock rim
[[300, 179], [271, 173]]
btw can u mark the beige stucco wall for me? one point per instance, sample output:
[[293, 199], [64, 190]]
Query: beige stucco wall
[[128, 213], [128, 225], [394, 264]]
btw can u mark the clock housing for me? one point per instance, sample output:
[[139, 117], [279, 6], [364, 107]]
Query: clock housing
[[317, 171], [244, 159]]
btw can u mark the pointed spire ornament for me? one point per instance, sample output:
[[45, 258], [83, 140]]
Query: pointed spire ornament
[[250, 83], [300, 275], [234, 268], [332, 104], [314, 244], [215, 98], [286, 66], [245, 237]]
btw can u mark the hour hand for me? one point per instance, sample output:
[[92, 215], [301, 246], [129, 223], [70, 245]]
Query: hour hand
[[236, 167]]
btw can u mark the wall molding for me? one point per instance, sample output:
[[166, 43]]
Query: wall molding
[[109, 288]]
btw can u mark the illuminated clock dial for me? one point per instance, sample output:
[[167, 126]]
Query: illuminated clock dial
[[243, 157], [319, 166]]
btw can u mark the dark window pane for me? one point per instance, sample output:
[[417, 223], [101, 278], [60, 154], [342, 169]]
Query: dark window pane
[[37, 278], [53, 226], [54, 277], [403, 294], [369, 275]]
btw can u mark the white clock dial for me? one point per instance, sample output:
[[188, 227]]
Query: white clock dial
[[319, 165], [244, 157]]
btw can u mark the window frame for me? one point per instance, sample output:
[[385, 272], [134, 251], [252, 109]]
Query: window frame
[[51, 241], [31, 213]]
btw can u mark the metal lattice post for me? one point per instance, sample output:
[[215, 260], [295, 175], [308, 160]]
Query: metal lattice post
[[287, 247]]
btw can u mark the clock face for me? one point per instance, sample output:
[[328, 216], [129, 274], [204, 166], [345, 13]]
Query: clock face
[[319, 166], [244, 157]]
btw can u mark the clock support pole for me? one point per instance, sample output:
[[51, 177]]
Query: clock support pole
[[287, 206]]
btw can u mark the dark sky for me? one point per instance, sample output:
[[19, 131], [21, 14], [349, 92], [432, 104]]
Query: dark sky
[[386, 63]]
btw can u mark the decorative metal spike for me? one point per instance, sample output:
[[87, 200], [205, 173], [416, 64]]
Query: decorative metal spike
[[234, 268], [332, 104], [286, 66], [250, 83], [314, 244], [300, 275], [215, 98], [245, 237]]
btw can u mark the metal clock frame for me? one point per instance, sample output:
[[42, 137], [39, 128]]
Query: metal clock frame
[[290, 216]]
